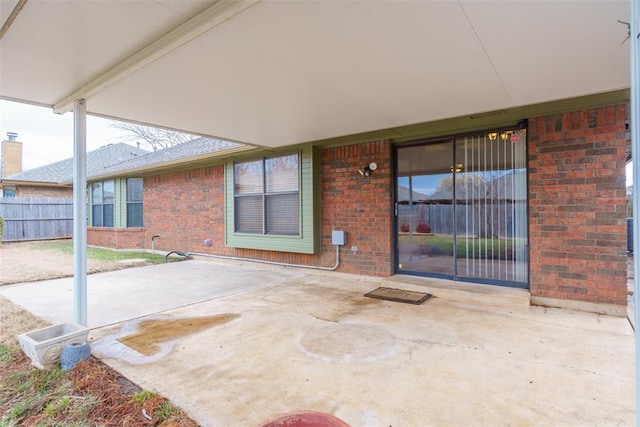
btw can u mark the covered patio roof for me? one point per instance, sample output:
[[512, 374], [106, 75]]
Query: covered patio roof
[[277, 73]]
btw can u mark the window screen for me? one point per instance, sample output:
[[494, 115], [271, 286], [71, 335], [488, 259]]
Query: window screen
[[267, 199], [134, 202], [102, 201]]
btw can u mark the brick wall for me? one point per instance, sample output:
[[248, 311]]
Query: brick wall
[[577, 209], [37, 191], [354, 203], [577, 205], [359, 205], [116, 238], [10, 158], [185, 208]]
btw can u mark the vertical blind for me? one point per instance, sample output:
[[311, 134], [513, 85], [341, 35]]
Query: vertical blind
[[492, 192]]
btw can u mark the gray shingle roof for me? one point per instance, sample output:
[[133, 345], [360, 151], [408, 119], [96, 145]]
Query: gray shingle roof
[[116, 158], [97, 160], [193, 148]]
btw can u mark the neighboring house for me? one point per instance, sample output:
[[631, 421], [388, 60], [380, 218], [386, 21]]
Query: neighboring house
[[10, 155], [549, 216], [56, 179], [10, 161]]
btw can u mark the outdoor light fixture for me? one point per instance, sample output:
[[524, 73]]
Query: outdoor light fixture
[[459, 168], [506, 135], [365, 171], [493, 136]]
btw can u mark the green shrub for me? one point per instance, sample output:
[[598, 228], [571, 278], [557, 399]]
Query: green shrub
[[423, 228], [1, 228]]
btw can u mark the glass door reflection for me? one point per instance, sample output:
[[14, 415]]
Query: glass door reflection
[[424, 209]]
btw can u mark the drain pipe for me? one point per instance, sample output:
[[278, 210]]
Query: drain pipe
[[153, 243], [282, 264]]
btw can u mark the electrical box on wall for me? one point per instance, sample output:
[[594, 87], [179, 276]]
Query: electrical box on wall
[[338, 237]]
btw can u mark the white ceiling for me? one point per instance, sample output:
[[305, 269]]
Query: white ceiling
[[276, 73]]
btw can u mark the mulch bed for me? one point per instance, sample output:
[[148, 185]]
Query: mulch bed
[[108, 393]]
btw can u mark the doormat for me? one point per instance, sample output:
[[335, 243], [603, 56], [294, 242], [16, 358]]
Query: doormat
[[399, 295]]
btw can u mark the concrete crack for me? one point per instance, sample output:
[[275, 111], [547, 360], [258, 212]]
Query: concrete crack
[[322, 318]]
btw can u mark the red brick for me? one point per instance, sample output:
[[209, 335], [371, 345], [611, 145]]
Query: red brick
[[589, 201], [38, 191]]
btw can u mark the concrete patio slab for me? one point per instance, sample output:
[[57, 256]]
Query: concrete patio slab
[[284, 340], [127, 294]]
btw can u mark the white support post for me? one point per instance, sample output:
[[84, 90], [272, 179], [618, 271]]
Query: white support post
[[634, 34], [80, 212]]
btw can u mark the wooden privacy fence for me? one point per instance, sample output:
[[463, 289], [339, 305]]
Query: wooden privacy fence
[[36, 218], [479, 219]]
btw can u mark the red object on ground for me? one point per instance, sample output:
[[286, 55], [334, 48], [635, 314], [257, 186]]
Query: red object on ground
[[305, 419]]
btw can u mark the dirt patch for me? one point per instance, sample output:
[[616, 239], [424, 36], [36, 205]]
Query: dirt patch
[[15, 320], [152, 332], [22, 262]]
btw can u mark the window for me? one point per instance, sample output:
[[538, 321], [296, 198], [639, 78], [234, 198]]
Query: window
[[134, 202], [102, 201], [266, 196], [9, 191], [277, 197]]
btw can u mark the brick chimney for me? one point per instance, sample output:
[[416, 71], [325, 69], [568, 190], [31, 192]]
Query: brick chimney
[[11, 155]]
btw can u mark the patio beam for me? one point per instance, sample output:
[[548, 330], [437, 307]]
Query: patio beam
[[634, 39], [215, 15], [80, 211], [12, 17]]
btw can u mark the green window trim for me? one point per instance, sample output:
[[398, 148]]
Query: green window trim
[[119, 204], [308, 241]]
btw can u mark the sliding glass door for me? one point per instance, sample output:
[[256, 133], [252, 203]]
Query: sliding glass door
[[461, 208], [423, 208]]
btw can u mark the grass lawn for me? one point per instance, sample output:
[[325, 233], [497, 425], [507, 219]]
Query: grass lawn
[[441, 244], [98, 254], [34, 261]]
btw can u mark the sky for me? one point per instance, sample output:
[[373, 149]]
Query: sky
[[47, 137]]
